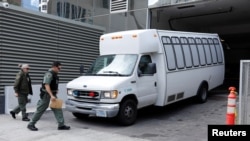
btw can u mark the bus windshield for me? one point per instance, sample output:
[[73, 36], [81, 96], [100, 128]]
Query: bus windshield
[[115, 65]]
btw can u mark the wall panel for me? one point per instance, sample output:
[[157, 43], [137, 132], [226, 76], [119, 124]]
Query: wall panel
[[38, 39]]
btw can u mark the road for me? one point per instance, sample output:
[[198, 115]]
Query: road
[[184, 120]]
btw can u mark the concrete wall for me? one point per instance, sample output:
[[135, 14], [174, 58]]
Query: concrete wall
[[11, 101]]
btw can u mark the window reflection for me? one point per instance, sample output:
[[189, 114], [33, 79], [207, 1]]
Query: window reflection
[[119, 64], [94, 12]]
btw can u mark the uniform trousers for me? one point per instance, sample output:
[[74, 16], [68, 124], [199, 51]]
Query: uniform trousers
[[42, 106], [22, 101]]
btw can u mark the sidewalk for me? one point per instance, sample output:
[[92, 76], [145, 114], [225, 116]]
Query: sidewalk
[[16, 130], [184, 121]]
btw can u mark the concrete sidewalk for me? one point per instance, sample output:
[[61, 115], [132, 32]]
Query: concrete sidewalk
[[183, 121], [16, 130]]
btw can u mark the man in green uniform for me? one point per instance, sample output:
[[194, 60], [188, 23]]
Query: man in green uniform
[[22, 88], [49, 91]]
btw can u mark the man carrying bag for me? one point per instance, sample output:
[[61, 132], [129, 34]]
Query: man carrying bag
[[48, 94]]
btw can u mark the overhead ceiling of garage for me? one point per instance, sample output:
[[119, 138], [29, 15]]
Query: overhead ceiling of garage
[[221, 16]]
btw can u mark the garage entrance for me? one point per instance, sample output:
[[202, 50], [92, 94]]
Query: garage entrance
[[229, 18]]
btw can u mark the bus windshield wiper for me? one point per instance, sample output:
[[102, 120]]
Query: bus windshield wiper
[[113, 72]]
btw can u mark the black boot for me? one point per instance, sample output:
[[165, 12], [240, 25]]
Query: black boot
[[26, 119], [32, 127], [64, 127], [13, 114]]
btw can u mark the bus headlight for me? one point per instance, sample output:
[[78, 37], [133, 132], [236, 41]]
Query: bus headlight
[[109, 94], [70, 92]]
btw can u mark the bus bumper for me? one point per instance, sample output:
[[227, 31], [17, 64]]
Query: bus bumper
[[94, 109]]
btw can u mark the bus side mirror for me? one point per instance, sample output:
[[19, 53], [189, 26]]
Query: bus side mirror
[[151, 68], [81, 69]]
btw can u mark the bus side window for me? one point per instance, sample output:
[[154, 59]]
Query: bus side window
[[213, 51], [178, 52], [187, 52], [207, 51], [169, 51], [142, 68], [194, 52], [201, 51], [218, 50]]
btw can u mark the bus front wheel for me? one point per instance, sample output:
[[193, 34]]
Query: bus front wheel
[[128, 112]]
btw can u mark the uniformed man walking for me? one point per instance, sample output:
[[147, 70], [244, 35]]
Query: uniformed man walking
[[49, 92], [22, 88]]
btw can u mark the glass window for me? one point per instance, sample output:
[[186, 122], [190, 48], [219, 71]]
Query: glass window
[[169, 51], [213, 51], [44, 7], [187, 52], [101, 7], [218, 50], [66, 9], [142, 68], [178, 52], [80, 14], [194, 52], [113, 65], [59, 9], [78, 10], [201, 51], [207, 51], [73, 11]]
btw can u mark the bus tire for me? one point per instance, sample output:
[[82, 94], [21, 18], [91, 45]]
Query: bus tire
[[202, 94], [127, 113]]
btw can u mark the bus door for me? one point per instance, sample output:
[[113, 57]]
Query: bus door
[[146, 82]]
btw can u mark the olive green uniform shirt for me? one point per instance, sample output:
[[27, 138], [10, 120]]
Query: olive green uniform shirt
[[22, 83]]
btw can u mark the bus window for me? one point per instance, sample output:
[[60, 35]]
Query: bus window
[[201, 51], [207, 51], [178, 52], [194, 52], [218, 50], [213, 51], [187, 52], [142, 68], [170, 55]]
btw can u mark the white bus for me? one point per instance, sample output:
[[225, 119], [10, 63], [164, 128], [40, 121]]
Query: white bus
[[139, 68]]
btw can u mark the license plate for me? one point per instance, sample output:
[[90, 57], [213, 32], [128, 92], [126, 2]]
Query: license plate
[[101, 113]]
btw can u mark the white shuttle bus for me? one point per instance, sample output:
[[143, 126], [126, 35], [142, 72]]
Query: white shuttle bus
[[139, 68]]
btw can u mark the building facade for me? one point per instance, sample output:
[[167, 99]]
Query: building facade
[[39, 39], [43, 6], [113, 15]]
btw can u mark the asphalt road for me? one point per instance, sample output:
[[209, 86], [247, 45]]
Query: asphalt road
[[184, 120]]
